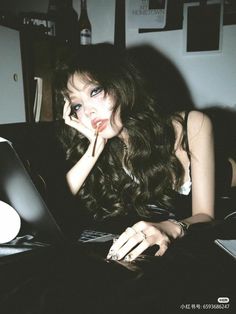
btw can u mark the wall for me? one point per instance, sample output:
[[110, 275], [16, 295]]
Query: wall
[[17, 6], [12, 104], [101, 14], [210, 77]]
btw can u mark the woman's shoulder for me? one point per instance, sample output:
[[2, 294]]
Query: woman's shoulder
[[198, 123], [195, 125], [193, 120]]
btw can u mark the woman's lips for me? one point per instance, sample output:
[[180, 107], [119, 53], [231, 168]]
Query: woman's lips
[[99, 124]]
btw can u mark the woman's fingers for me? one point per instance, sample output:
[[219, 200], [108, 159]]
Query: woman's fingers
[[123, 238], [134, 241], [162, 249], [75, 123], [119, 245], [132, 255], [162, 244], [69, 120], [66, 109], [128, 233]]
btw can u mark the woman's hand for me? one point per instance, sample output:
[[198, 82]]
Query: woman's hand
[[87, 132], [75, 123], [136, 239]]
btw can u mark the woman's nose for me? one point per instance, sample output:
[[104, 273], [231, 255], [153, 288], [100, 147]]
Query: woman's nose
[[89, 109]]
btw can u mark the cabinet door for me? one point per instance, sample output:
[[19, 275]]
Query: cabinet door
[[12, 103]]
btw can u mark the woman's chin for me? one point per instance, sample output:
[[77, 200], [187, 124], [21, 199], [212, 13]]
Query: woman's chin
[[108, 134]]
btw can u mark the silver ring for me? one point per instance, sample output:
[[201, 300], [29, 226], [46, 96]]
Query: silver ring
[[143, 235]]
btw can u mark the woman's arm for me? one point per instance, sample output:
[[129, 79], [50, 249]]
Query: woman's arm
[[201, 144], [134, 241], [79, 172]]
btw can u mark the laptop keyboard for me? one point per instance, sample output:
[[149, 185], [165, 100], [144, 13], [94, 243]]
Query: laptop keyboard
[[96, 236], [5, 251]]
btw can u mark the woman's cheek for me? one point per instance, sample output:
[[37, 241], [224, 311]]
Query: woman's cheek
[[111, 131], [84, 120], [79, 115]]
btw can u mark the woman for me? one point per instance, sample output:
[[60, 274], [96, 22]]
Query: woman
[[129, 156]]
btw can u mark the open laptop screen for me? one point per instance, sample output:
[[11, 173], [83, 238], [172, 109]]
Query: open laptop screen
[[18, 190]]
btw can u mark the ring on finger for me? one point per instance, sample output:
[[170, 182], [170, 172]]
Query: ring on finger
[[143, 235]]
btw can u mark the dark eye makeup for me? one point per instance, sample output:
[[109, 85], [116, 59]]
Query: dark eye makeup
[[74, 109], [95, 91]]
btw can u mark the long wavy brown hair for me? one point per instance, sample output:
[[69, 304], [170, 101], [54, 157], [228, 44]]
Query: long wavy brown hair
[[155, 171]]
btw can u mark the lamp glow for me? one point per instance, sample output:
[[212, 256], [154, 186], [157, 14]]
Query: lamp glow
[[10, 223]]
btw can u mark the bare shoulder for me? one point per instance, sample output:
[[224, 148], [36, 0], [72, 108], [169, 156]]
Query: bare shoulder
[[198, 127], [198, 124]]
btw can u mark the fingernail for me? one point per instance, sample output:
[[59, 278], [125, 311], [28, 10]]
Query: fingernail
[[115, 257], [128, 258], [111, 251], [114, 240], [109, 256]]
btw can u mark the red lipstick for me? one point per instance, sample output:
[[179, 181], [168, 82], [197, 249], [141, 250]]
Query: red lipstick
[[99, 124]]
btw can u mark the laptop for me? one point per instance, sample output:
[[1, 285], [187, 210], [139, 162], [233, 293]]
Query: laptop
[[18, 190]]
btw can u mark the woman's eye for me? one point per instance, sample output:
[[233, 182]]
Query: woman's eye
[[96, 91], [75, 108]]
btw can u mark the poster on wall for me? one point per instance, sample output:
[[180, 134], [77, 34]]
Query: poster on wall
[[146, 13], [229, 12], [202, 26]]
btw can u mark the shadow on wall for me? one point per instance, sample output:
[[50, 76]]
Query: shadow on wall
[[164, 78], [224, 124], [174, 95]]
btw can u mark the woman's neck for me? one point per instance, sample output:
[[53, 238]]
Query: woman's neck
[[123, 136]]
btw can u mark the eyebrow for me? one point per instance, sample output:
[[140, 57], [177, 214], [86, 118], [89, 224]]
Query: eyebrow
[[86, 82], [85, 86], [73, 99]]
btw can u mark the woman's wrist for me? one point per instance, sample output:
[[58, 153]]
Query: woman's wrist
[[94, 150], [182, 225]]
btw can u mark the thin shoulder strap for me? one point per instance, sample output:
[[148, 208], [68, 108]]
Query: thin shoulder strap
[[185, 134]]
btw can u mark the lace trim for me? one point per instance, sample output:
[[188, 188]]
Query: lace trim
[[185, 188]]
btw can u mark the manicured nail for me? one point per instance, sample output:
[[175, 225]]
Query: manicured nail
[[115, 257], [111, 251], [109, 256], [128, 258]]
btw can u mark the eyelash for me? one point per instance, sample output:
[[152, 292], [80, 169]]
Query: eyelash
[[75, 108], [95, 91]]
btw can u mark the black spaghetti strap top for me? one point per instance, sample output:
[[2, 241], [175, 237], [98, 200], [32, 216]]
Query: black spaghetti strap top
[[185, 135]]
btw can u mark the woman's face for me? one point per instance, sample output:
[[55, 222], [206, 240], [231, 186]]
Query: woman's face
[[92, 107]]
